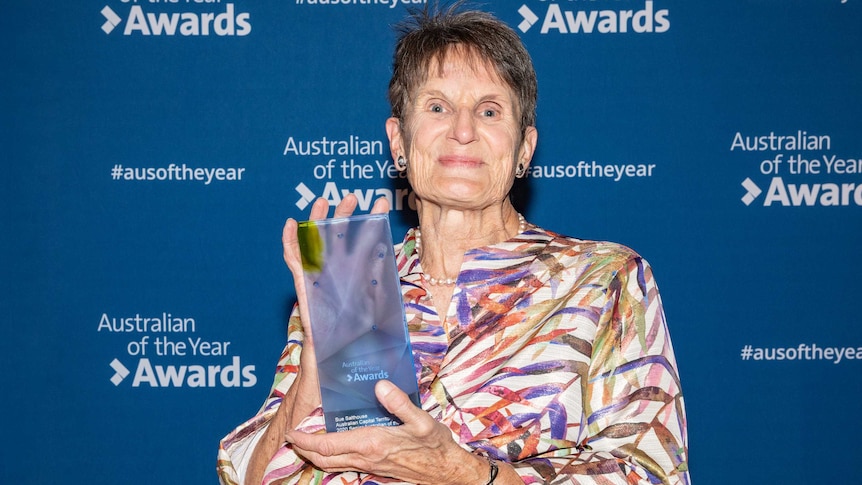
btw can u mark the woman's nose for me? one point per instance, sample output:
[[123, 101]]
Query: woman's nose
[[464, 129]]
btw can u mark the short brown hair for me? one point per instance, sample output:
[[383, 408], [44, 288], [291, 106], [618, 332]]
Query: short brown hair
[[428, 35]]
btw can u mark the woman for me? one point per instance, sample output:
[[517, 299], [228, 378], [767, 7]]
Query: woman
[[543, 358]]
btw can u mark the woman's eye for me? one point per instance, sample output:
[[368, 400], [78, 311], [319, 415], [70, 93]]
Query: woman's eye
[[436, 108], [490, 110]]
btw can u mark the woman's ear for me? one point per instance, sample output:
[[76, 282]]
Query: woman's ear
[[528, 147], [396, 140]]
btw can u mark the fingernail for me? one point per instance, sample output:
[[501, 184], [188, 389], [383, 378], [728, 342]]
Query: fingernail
[[384, 387]]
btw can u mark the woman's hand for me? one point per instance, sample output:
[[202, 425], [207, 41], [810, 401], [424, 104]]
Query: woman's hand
[[421, 450]]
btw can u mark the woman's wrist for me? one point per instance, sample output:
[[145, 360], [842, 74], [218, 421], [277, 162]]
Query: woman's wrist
[[501, 473], [481, 469], [302, 399]]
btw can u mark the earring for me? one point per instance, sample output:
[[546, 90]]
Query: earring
[[521, 171], [401, 163]]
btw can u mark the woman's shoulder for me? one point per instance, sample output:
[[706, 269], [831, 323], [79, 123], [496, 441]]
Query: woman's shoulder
[[580, 249]]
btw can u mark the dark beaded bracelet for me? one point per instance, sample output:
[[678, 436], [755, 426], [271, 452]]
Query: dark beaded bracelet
[[492, 474]]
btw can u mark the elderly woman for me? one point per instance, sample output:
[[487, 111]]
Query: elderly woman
[[540, 358]]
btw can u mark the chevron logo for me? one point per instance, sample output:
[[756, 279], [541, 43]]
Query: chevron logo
[[530, 18], [112, 20], [120, 372], [752, 191]]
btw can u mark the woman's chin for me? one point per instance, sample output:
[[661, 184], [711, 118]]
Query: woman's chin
[[460, 197]]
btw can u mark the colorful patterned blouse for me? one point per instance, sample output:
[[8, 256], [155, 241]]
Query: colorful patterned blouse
[[554, 356]]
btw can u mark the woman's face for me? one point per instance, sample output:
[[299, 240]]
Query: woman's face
[[462, 136]]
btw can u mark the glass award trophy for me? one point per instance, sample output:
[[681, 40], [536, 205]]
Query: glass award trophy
[[357, 318]]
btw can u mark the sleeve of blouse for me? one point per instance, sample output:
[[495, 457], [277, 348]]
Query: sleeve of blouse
[[634, 425], [236, 448]]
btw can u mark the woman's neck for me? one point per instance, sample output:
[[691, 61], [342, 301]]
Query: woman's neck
[[446, 234]]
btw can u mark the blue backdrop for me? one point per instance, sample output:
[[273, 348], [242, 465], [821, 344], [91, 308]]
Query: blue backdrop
[[153, 150]]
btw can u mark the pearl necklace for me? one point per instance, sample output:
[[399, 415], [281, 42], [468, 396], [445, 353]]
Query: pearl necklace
[[522, 226]]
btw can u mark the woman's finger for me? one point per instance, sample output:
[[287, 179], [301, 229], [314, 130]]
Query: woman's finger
[[381, 206], [346, 207], [319, 209]]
